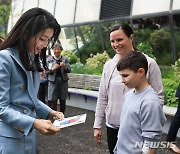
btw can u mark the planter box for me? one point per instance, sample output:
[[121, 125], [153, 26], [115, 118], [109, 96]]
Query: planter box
[[84, 81]]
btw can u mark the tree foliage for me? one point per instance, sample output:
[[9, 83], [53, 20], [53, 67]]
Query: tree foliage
[[5, 8]]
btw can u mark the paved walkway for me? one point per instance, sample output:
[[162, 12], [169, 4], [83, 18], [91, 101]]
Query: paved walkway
[[79, 139]]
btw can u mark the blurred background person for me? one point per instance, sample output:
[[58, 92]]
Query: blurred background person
[[42, 93], [58, 66]]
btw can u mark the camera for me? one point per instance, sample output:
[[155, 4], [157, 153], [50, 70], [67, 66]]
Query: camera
[[58, 61]]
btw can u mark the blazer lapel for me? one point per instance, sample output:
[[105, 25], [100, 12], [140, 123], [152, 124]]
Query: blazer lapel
[[31, 85]]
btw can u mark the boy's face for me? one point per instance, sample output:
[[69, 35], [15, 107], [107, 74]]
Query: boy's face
[[132, 79]]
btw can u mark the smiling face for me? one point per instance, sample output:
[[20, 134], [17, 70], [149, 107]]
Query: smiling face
[[57, 51], [40, 41], [120, 42]]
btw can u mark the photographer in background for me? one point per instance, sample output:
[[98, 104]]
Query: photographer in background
[[57, 78]]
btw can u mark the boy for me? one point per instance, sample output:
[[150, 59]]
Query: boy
[[142, 116]]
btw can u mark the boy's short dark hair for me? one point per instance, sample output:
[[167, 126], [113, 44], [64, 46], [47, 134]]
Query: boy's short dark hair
[[133, 60]]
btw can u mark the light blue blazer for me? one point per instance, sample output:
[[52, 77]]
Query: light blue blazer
[[18, 98]]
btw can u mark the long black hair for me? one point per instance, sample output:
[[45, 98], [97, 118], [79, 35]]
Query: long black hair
[[29, 24]]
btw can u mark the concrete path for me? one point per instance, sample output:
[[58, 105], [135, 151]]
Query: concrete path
[[79, 139]]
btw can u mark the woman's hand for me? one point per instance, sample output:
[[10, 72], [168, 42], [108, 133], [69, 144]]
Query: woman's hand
[[43, 73], [45, 127], [53, 115], [55, 67], [97, 135]]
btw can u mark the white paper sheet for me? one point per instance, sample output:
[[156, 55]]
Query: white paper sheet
[[66, 122]]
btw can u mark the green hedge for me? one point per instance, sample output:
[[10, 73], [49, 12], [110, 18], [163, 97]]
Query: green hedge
[[170, 87]]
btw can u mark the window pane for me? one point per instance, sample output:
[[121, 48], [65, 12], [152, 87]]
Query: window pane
[[176, 4], [17, 8], [47, 4], [150, 6], [29, 4], [65, 11], [67, 38], [87, 10]]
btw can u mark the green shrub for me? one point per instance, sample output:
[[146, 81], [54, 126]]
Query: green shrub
[[160, 41], [92, 47], [176, 68], [146, 48], [170, 87], [168, 73], [142, 35], [80, 68], [97, 61], [72, 57]]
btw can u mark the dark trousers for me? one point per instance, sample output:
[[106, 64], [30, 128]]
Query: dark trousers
[[42, 92], [174, 125], [111, 138]]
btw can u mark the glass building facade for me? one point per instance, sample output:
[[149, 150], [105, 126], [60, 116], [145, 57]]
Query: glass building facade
[[86, 23]]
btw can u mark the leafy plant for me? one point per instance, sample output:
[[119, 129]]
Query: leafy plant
[[176, 68], [83, 69], [167, 72], [160, 41], [170, 87], [142, 35], [170, 83], [78, 68], [98, 60], [146, 48], [72, 57], [5, 8]]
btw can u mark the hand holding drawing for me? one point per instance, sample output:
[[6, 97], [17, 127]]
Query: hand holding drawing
[[53, 115], [45, 126], [70, 121]]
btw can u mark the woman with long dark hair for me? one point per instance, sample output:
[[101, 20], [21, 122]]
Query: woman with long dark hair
[[21, 113]]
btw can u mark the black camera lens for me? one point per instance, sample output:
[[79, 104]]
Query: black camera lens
[[58, 61]]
